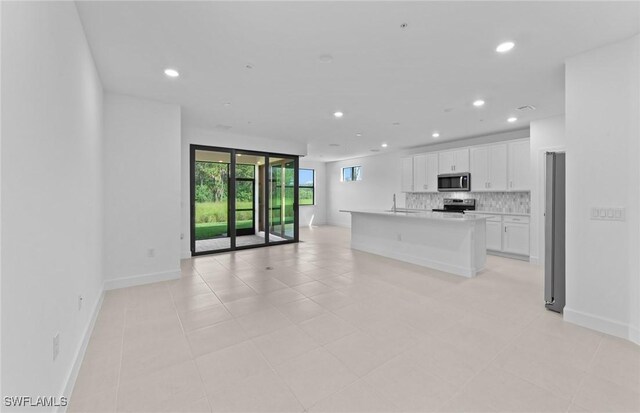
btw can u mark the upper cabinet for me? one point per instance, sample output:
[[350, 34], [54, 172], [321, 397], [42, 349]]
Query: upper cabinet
[[489, 168], [407, 174], [453, 161], [519, 169], [493, 167], [425, 172]]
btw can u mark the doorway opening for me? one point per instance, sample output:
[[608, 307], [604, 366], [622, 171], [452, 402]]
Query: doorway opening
[[242, 199]]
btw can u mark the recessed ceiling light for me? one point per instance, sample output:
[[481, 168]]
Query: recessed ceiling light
[[478, 103], [384, 145], [325, 58], [359, 134], [505, 47], [338, 114], [436, 135], [526, 107], [171, 72], [404, 25], [512, 119]]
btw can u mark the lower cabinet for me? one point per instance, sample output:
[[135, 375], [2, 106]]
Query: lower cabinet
[[516, 238], [494, 234], [508, 233]]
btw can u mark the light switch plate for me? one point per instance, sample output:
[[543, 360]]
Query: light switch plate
[[607, 214]]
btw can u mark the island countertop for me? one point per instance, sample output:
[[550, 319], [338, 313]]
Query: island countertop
[[455, 243], [418, 214]]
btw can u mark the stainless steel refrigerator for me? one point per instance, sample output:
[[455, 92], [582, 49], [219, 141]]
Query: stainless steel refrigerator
[[554, 265]]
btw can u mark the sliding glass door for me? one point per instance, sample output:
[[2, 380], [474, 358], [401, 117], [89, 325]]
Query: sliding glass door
[[242, 199], [283, 179], [210, 200]]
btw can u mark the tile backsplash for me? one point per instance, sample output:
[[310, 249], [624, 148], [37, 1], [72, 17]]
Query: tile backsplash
[[518, 202]]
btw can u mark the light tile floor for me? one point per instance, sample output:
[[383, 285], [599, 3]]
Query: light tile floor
[[331, 329]]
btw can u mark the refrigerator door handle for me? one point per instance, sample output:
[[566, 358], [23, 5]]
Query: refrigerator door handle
[[549, 227]]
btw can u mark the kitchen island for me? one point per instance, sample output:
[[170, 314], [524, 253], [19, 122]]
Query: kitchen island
[[449, 242]]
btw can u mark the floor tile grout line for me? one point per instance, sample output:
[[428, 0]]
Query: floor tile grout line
[[124, 325], [193, 357], [464, 386], [587, 372]]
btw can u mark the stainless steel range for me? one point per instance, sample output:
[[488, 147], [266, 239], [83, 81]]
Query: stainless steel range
[[458, 206]]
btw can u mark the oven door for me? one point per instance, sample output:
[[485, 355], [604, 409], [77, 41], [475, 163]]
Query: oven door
[[454, 182]]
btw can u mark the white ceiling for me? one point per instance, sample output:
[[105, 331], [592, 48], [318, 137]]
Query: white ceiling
[[425, 76]]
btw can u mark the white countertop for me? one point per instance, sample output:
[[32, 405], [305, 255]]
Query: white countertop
[[418, 214], [520, 214]]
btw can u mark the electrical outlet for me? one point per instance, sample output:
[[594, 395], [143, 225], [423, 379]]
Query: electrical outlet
[[151, 252], [56, 346], [181, 235], [80, 298]]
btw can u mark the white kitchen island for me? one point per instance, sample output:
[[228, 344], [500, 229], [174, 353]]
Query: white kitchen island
[[453, 243]]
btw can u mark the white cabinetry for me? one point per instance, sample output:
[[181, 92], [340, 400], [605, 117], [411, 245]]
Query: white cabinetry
[[508, 234], [515, 238], [489, 168], [494, 234], [407, 174], [494, 167], [425, 172], [519, 162], [453, 161]]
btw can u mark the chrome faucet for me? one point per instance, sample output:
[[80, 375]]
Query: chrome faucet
[[394, 209]]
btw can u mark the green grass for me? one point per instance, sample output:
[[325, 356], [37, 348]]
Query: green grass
[[215, 212], [211, 218], [215, 229]]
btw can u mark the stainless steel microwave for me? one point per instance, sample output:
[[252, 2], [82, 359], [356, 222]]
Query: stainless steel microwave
[[454, 182]]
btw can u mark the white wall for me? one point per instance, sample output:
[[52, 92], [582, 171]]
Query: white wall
[[51, 194], [315, 214], [381, 177], [602, 133], [223, 139], [142, 190], [547, 135]]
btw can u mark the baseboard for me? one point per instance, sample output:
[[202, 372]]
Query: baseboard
[[185, 255], [134, 280], [634, 335], [534, 260], [509, 255], [75, 368], [602, 324], [338, 224]]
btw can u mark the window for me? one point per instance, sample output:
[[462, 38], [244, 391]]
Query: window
[[306, 187], [351, 173]]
